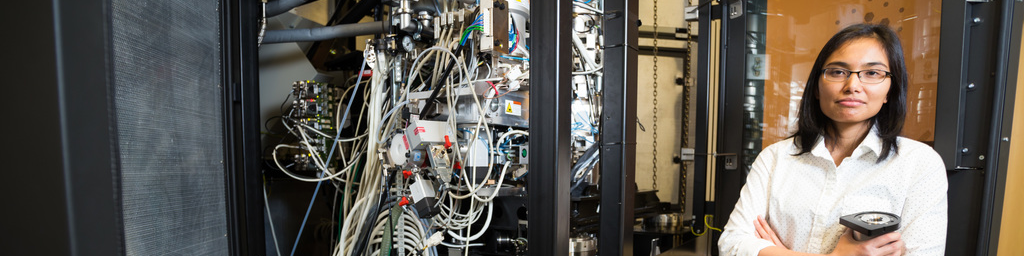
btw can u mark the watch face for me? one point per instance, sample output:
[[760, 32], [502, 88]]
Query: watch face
[[407, 44]]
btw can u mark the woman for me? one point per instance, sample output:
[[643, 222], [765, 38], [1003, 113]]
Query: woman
[[846, 157]]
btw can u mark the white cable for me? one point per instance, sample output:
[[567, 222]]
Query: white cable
[[588, 61], [314, 155], [501, 139], [415, 71], [487, 223], [461, 245], [497, 186], [315, 130], [294, 176]]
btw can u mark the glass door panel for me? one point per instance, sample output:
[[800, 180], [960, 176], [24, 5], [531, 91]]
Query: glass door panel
[[785, 36]]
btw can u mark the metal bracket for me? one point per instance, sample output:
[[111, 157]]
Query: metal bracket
[[686, 154], [691, 13], [731, 163], [655, 249], [735, 9]]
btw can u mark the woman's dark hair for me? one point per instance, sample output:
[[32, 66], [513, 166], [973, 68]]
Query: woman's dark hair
[[889, 120]]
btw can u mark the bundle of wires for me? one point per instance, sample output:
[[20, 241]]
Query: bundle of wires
[[514, 32], [465, 210], [477, 25]]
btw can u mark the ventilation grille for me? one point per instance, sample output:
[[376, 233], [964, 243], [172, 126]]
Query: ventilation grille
[[168, 105]]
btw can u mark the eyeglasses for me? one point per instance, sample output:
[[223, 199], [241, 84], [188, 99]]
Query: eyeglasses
[[869, 76]]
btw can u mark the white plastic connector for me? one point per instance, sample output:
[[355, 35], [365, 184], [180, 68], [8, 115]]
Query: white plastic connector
[[434, 239], [513, 78]]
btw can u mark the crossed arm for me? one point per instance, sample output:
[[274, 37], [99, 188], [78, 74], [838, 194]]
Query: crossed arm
[[888, 244], [924, 212]]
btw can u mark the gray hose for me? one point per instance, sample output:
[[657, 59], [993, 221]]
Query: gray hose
[[324, 33], [275, 8]]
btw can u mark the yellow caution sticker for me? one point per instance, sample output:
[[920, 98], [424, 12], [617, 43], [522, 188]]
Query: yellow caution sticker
[[514, 108]]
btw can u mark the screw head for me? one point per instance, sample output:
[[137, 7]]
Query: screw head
[[1006, 138], [977, 20], [964, 150], [981, 157], [970, 86]]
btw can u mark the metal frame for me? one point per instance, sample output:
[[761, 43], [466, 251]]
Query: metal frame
[[964, 78], [618, 131], [242, 128], [730, 104], [75, 188], [70, 181], [550, 91], [979, 46], [706, 13], [1007, 56], [91, 169]]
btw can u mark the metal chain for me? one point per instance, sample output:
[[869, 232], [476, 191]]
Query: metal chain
[[686, 111], [654, 161]]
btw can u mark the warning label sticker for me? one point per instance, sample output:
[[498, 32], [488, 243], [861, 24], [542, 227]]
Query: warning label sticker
[[514, 108]]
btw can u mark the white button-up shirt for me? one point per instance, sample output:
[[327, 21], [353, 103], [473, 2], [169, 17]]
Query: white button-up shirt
[[802, 197]]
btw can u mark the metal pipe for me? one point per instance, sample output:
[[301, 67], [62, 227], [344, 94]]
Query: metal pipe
[[282, 6], [325, 33]]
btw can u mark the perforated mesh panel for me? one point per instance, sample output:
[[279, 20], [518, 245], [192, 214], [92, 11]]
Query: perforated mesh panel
[[167, 71]]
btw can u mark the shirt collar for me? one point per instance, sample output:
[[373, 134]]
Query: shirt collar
[[870, 144]]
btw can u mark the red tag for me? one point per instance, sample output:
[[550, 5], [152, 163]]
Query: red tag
[[367, 73], [406, 141], [447, 143], [419, 130]]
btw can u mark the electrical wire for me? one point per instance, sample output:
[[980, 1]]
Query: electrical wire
[[270, 218], [706, 226], [359, 174], [306, 217]]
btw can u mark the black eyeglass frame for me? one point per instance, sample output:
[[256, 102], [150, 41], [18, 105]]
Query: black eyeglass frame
[[887, 75]]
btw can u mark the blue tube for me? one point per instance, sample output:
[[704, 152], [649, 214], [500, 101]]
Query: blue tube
[[515, 58], [334, 145]]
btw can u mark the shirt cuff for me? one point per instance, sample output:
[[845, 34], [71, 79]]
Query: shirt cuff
[[749, 247], [756, 247]]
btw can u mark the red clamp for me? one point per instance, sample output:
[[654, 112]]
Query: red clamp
[[406, 174], [447, 143], [457, 165], [404, 201]]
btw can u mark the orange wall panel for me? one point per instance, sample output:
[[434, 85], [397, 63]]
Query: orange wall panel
[[1011, 228], [796, 31]]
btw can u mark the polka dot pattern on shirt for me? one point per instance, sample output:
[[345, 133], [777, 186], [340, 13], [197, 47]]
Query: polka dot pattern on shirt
[[803, 196]]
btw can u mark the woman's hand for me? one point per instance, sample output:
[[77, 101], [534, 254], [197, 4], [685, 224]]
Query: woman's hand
[[764, 231], [885, 245]]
